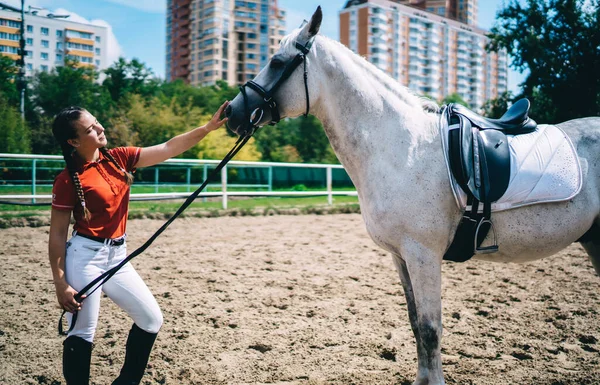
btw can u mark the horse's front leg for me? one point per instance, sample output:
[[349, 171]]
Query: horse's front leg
[[422, 282]]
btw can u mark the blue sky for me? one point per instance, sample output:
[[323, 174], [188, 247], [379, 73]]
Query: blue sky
[[138, 26]]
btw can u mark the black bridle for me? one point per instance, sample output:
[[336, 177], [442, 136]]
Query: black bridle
[[253, 118]]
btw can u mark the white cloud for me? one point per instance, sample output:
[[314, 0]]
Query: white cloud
[[151, 6], [30, 3], [114, 50]]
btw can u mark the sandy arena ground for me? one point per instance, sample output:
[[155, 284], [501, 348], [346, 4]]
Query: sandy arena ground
[[307, 300]]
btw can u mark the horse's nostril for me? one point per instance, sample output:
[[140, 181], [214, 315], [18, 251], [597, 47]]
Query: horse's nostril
[[228, 111]]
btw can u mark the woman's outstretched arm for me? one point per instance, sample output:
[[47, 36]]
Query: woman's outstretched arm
[[152, 155]]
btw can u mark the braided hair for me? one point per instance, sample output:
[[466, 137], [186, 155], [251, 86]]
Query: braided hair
[[63, 129]]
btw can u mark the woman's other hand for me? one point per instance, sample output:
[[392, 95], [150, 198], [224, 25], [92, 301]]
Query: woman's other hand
[[216, 120]]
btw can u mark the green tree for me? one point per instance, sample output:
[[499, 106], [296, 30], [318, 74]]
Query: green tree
[[14, 133], [455, 98], [495, 108], [557, 42], [311, 142], [69, 85], [129, 77], [278, 143], [8, 76]]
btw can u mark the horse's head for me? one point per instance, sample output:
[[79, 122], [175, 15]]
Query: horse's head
[[281, 89]]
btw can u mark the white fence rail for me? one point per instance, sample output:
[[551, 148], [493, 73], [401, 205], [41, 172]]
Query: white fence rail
[[189, 163]]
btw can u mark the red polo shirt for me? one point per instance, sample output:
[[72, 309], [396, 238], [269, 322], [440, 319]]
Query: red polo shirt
[[105, 190]]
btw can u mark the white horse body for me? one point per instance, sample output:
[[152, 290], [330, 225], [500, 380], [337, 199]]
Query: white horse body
[[392, 151], [391, 148]]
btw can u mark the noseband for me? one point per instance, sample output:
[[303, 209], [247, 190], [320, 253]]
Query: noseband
[[254, 117]]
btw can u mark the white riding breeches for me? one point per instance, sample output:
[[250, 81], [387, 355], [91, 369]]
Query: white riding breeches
[[86, 260]]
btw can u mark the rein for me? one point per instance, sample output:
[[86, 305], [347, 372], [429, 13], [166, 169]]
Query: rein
[[100, 280], [254, 117]]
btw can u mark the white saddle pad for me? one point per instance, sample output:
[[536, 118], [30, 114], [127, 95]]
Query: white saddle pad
[[544, 168]]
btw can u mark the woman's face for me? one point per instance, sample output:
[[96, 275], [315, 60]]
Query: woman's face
[[90, 133]]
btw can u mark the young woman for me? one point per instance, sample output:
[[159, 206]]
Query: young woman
[[95, 188]]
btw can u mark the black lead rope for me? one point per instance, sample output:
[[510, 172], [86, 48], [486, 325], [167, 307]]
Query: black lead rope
[[100, 280]]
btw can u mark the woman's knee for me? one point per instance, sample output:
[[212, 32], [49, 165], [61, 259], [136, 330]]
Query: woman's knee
[[152, 322], [83, 334]]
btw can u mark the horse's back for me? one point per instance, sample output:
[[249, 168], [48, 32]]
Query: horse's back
[[535, 231], [585, 135]]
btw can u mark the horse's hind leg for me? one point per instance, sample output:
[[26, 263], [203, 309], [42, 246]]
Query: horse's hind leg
[[591, 244], [422, 288]]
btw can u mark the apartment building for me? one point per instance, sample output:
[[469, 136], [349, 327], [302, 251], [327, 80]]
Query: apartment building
[[51, 39], [430, 54], [231, 40], [464, 11]]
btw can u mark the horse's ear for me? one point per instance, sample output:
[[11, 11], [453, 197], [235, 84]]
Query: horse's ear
[[312, 28]]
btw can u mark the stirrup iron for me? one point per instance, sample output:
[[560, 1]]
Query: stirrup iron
[[488, 249]]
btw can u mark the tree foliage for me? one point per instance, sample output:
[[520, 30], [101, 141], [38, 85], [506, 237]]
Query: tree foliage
[[495, 108], [8, 80], [455, 98], [124, 78], [558, 42], [14, 133]]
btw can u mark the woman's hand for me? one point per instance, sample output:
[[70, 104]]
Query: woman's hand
[[66, 297], [216, 122]]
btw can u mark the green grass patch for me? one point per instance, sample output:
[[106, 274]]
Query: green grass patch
[[169, 207]]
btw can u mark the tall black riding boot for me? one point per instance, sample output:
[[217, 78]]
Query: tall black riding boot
[[77, 354], [137, 352]]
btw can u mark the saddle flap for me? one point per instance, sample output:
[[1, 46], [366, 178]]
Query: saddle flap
[[494, 155]]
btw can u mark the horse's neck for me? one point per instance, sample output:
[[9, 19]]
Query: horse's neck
[[366, 115]]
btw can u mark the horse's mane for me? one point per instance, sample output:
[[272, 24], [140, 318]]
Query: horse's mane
[[392, 85]]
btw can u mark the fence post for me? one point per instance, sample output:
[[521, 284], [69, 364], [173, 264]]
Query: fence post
[[224, 186], [329, 188], [33, 178], [189, 179], [204, 176], [156, 180], [270, 178]]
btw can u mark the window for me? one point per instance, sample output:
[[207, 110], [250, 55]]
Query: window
[[59, 33], [9, 36], [79, 35], [44, 68], [29, 41], [97, 51], [10, 23], [29, 67], [59, 46], [30, 28], [97, 63], [9, 49], [44, 31], [45, 44], [97, 39], [44, 55], [59, 57]]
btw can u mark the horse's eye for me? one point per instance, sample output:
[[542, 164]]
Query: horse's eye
[[276, 63]]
